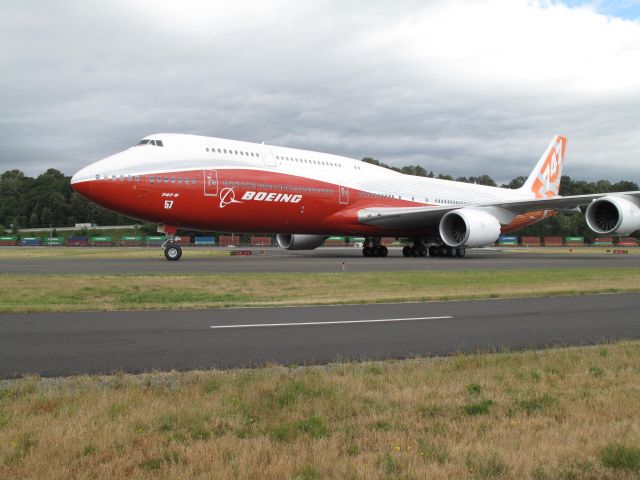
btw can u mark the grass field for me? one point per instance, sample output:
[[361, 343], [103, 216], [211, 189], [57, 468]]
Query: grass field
[[556, 414], [81, 292]]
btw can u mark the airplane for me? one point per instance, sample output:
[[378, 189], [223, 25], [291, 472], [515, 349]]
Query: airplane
[[213, 184]]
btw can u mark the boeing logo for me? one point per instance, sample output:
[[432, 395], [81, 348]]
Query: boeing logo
[[227, 196]]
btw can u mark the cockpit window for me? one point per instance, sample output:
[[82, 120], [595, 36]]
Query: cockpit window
[[146, 141]]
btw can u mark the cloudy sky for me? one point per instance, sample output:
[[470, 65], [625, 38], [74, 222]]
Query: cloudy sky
[[463, 88]]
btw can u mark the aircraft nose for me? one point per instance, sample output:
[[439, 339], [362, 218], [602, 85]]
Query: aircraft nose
[[81, 182]]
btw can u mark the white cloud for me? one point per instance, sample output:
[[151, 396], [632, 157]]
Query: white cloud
[[459, 87]]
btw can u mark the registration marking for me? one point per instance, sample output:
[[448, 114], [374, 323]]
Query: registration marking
[[334, 322]]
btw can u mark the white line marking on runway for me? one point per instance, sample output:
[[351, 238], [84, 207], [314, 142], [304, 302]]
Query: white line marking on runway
[[336, 322]]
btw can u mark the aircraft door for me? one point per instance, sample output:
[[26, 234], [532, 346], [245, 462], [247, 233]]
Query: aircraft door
[[210, 183], [343, 195], [267, 156]]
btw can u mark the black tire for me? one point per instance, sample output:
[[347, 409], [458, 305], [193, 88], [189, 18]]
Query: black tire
[[406, 251], [366, 252], [414, 251], [375, 251], [433, 251], [460, 252], [422, 251], [384, 251], [451, 252], [172, 252], [442, 251]]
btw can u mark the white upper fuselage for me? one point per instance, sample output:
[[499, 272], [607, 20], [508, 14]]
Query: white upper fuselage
[[179, 152]]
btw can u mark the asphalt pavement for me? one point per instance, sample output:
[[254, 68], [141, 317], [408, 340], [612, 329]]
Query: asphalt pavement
[[137, 341]]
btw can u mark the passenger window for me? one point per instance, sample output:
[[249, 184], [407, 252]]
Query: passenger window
[[137, 178], [159, 143], [150, 179], [166, 179], [179, 179], [128, 178], [193, 181], [173, 179]]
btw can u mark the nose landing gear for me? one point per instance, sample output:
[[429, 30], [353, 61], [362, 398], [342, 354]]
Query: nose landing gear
[[171, 249]]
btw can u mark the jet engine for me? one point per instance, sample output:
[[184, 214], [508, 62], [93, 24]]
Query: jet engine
[[300, 242], [467, 227], [614, 214]]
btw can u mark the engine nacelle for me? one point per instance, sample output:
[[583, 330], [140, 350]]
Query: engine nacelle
[[300, 242], [467, 227], [614, 214]]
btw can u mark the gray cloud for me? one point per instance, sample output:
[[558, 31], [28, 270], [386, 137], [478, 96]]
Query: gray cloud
[[82, 80]]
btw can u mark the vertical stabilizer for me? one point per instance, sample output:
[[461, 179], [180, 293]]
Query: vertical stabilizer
[[544, 180]]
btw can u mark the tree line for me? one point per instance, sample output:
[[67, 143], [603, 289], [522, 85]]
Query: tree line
[[48, 200]]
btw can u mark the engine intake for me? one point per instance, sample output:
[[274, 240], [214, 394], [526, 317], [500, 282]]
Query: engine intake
[[300, 242], [467, 227], [614, 214]]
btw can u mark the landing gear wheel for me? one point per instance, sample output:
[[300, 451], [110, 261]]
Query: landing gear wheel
[[460, 252], [442, 251], [414, 251], [406, 251], [422, 251], [366, 252], [172, 252], [433, 251], [383, 251]]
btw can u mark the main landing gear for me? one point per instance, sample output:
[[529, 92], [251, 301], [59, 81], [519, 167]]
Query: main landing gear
[[419, 249], [372, 248]]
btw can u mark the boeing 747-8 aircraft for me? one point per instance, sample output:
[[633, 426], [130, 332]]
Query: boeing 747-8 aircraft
[[205, 183]]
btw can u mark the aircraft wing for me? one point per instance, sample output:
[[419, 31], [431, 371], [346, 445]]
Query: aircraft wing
[[412, 217]]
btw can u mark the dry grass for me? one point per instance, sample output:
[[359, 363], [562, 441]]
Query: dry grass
[[18, 253], [571, 250], [568, 413], [66, 293]]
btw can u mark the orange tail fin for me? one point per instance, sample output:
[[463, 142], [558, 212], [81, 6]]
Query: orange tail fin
[[544, 180]]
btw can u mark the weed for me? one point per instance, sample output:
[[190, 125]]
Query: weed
[[282, 433], [167, 422], [478, 408], [382, 425], [487, 467], [151, 464], [212, 386], [430, 411], [116, 410], [352, 450], [4, 420], [621, 457], [88, 450], [374, 370], [536, 404], [23, 443], [314, 426], [474, 389], [307, 473], [596, 371], [432, 452], [389, 464]]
